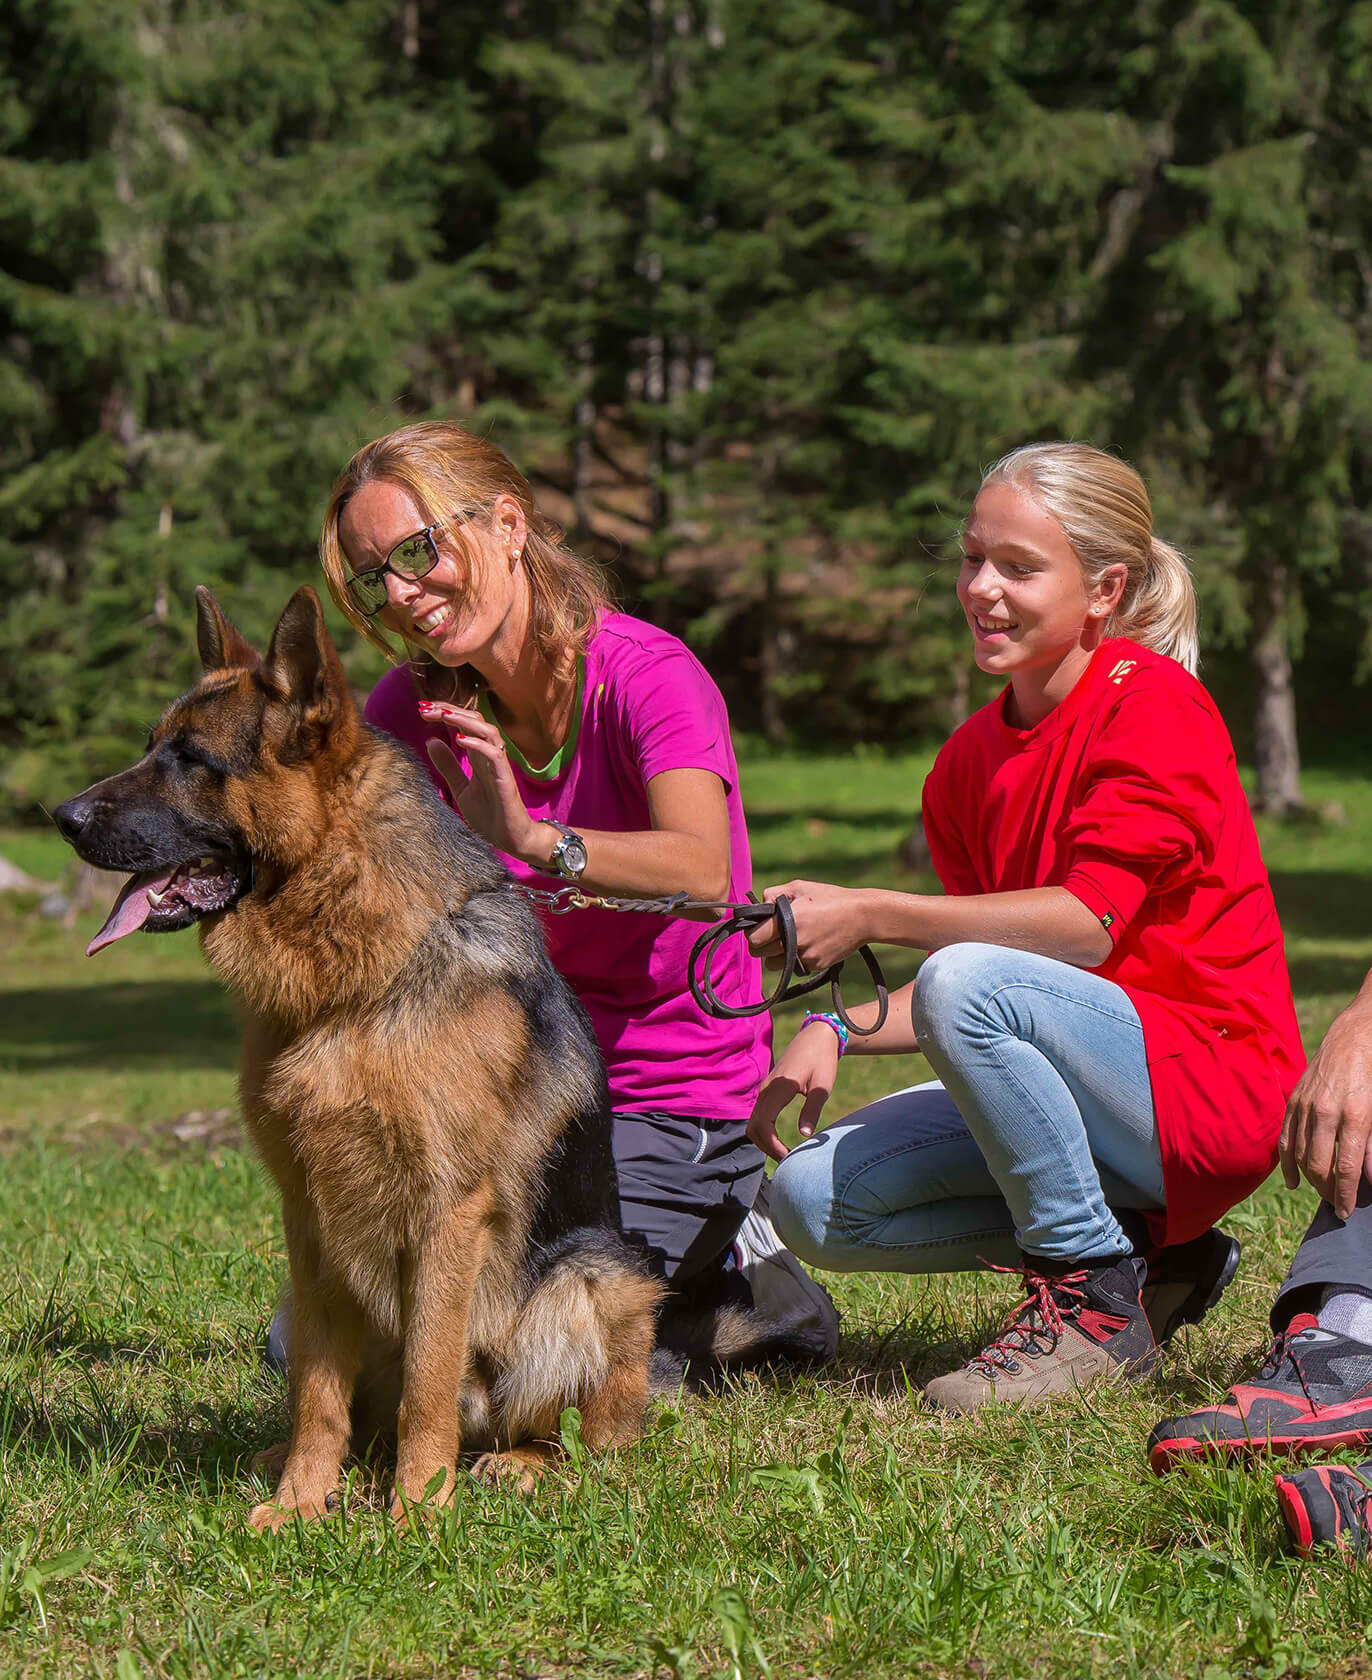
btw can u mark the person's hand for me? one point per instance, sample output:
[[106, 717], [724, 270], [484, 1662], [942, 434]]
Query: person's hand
[[806, 1068], [830, 925], [1327, 1133], [488, 800]]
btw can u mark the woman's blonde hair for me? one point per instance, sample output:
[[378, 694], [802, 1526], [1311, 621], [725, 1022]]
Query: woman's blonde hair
[[1103, 507], [453, 476]]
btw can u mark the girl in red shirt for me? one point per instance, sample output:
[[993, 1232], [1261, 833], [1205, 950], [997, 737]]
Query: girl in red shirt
[[1107, 1005]]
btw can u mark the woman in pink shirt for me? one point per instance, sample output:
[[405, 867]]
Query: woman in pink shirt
[[592, 751]]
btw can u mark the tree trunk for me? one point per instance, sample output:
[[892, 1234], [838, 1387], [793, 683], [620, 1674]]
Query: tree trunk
[[1275, 746]]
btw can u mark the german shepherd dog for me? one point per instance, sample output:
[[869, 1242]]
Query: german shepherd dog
[[420, 1083]]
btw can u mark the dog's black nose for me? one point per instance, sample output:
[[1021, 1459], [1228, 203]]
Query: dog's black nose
[[71, 817]]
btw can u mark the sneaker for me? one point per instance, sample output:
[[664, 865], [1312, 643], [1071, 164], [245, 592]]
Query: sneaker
[[1073, 1328], [1313, 1391], [798, 1314], [1328, 1505], [1186, 1281]]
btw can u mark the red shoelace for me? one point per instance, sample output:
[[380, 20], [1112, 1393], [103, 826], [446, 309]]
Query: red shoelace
[[1036, 1324], [1281, 1350]]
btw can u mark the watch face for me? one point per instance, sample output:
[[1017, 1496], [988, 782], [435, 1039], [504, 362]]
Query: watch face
[[571, 855]]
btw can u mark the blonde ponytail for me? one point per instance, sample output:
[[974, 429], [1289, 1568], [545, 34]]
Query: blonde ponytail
[[1103, 507], [1161, 613]]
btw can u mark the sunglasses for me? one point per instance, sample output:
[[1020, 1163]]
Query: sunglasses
[[412, 557]]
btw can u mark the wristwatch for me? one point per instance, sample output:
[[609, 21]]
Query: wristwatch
[[569, 854]]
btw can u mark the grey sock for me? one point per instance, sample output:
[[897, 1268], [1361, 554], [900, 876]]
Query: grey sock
[[1348, 1312]]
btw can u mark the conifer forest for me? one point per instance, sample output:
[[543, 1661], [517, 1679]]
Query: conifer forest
[[752, 291]]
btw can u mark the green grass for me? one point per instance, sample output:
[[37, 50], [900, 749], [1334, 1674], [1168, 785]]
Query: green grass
[[817, 1526]]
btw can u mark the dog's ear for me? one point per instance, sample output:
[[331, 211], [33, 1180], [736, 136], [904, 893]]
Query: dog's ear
[[302, 666], [221, 646]]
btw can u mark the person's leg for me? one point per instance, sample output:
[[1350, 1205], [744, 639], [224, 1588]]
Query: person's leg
[[1335, 1257], [685, 1187], [903, 1186], [898, 1186], [690, 1192], [1047, 1065]]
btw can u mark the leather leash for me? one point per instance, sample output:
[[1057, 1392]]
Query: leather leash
[[737, 918]]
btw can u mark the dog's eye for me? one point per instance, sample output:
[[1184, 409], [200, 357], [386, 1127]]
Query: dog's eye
[[177, 754]]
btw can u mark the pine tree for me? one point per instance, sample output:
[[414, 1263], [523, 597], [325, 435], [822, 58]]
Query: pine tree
[[212, 267], [1235, 326]]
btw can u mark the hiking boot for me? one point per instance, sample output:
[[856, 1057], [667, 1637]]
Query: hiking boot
[[1186, 1281], [1072, 1329], [1313, 1391], [798, 1312], [1328, 1505]]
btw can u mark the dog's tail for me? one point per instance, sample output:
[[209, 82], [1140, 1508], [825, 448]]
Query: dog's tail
[[583, 1338]]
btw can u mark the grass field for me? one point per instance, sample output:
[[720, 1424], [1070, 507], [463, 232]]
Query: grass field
[[821, 1526]]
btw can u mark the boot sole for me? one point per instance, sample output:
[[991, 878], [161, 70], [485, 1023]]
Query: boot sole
[[1183, 1449]]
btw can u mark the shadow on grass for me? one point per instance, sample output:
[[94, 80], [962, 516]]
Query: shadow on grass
[[73, 1340], [213, 1443], [1326, 976], [1324, 904], [184, 1023]]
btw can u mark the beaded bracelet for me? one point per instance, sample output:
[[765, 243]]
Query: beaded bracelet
[[830, 1020]]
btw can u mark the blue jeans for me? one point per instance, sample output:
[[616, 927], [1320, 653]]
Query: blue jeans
[[1041, 1121]]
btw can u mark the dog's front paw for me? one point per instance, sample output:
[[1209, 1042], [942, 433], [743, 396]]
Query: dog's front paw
[[269, 1515], [519, 1469]]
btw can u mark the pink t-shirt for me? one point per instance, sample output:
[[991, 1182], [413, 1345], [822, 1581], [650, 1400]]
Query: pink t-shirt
[[647, 705]]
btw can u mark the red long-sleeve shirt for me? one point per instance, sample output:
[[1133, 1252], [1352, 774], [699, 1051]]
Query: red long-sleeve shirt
[[1127, 795]]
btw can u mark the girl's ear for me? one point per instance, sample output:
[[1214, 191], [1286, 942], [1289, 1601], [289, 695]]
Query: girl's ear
[[1109, 590]]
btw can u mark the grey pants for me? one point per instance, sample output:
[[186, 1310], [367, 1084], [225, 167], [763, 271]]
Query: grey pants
[[1333, 1251], [685, 1187]]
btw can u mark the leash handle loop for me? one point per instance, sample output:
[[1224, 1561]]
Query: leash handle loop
[[743, 919]]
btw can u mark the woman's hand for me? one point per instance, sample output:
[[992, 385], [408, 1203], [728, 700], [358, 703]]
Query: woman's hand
[[831, 922], [488, 800], [806, 1068], [1327, 1133]]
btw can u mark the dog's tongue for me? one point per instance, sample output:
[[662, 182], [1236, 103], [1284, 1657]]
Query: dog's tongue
[[131, 908]]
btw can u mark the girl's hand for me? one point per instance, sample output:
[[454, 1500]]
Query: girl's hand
[[830, 925], [488, 800], [806, 1068]]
